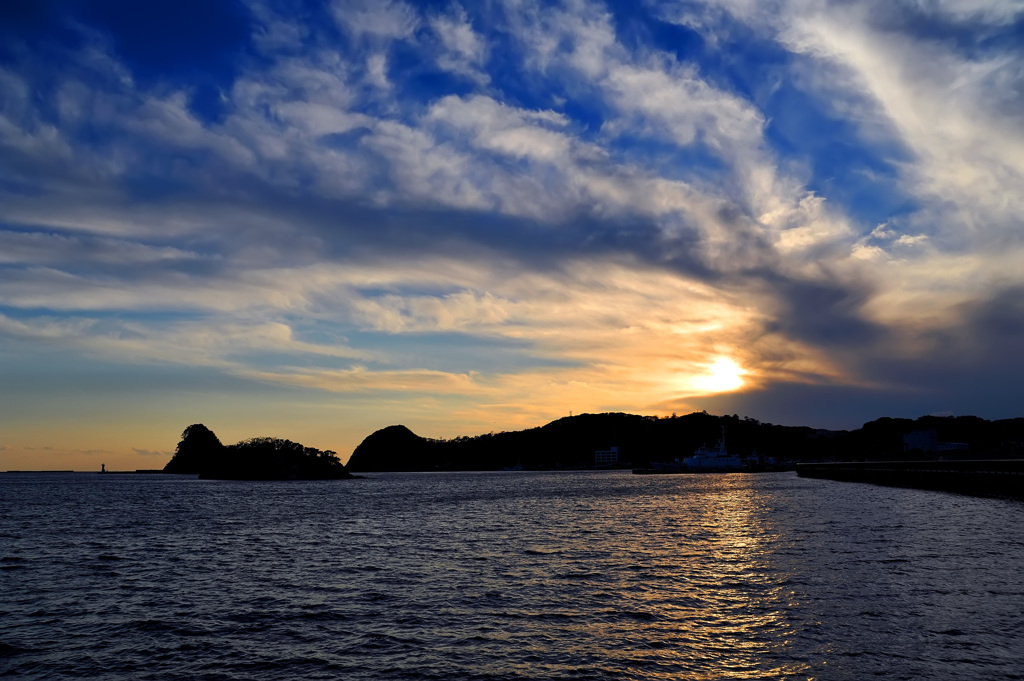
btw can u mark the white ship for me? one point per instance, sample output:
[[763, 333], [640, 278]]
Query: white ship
[[704, 460]]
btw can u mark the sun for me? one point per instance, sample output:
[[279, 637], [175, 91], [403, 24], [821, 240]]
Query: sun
[[723, 375]]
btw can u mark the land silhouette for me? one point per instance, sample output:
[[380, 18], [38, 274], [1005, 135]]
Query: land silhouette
[[201, 452], [571, 442]]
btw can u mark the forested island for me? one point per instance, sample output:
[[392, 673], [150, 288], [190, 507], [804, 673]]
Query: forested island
[[571, 442], [201, 452]]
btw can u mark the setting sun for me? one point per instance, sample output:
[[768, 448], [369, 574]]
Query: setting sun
[[724, 374]]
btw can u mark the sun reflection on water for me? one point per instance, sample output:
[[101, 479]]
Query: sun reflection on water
[[678, 577], [718, 606]]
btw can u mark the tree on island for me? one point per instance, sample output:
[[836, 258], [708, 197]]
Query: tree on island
[[259, 458]]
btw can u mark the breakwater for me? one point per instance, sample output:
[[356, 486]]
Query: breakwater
[[999, 478]]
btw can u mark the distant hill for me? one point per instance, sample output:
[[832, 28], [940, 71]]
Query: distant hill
[[571, 442], [262, 458]]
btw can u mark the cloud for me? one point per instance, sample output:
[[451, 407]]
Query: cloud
[[150, 452], [463, 51], [47, 248], [273, 32], [388, 19], [950, 110], [672, 102], [493, 126]]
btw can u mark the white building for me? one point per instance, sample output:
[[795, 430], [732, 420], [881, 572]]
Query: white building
[[607, 456]]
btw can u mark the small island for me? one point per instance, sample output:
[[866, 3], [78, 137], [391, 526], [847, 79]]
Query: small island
[[200, 452]]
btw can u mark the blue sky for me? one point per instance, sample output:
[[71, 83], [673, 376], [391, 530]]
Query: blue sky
[[315, 219]]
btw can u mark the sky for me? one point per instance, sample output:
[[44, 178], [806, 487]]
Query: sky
[[312, 220]]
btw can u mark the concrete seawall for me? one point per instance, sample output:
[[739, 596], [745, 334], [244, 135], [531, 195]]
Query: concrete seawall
[[992, 478]]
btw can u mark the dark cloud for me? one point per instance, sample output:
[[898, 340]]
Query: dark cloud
[[975, 368], [1000, 319], [974, 390], [836, 407], [825, 314]]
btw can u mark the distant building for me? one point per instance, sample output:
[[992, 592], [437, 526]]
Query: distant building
[[608, 456], [927, 441]]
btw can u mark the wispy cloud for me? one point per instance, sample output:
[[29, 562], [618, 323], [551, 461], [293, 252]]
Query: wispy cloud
[[390, 19], [464, 51], [153, 453]]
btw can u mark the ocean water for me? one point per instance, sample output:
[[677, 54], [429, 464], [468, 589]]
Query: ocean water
[[582, 575]]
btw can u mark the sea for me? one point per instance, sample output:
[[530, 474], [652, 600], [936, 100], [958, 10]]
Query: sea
[[508, 575]]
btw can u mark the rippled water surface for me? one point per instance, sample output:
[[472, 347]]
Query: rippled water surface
[[506, 575]]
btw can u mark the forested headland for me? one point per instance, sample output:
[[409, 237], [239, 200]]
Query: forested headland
[[571, 442]]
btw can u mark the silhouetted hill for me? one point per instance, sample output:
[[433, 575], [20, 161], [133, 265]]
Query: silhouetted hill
[[262, 458], [198, 447], [395, 448], [571, 442]]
